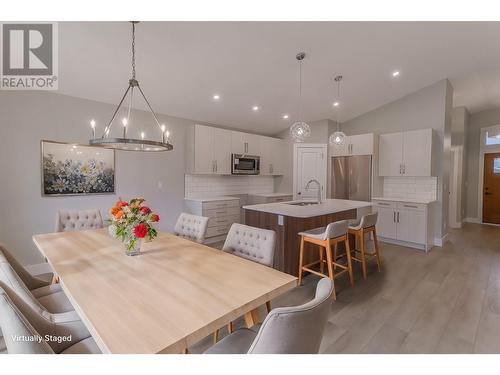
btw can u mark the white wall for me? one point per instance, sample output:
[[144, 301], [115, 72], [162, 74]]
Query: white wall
[[429, 107], [459, 128], [28, 117]]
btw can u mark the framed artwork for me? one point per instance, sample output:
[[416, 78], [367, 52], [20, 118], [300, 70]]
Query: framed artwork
[[73, 169]]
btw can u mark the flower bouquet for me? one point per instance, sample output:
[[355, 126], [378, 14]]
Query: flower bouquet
[[131, 222]]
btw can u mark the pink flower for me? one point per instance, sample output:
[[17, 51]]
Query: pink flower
[[145, 210]]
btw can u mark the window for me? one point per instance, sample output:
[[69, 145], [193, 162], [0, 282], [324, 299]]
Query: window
[[492, 138], [496, 165]]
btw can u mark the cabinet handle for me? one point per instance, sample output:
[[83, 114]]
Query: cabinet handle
[[398, 217], [394, 216], [400, 168], [383, 204], [410, 206], [221, 205], [216, 166], [221, 212], [404, 168], [213, 166]]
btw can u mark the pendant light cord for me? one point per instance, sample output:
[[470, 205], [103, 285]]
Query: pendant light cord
[[300, 90], [133, 50]]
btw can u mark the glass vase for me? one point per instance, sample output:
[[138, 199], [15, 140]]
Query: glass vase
[[135, 249]]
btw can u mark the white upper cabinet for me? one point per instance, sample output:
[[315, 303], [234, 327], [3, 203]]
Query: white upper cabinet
[[406, 153], [244, 143], [417, 153], [390, 154], [208, 150], [271, 156], [361, 144]]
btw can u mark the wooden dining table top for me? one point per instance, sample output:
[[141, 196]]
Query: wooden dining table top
[[172, 295]]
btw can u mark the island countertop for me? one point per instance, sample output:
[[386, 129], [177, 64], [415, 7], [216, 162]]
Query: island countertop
[[327, 206]]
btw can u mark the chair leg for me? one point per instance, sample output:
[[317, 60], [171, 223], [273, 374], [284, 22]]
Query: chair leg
[[321, 260], [216, 336], [301, 260], [335, 248], [349, 260], [375, 243], [268, 306], [362, 249], [331, 275]]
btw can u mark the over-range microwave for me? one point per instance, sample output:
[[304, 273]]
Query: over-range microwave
[[245, 164]]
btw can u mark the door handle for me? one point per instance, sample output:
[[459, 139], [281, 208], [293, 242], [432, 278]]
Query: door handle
[[486, 193]]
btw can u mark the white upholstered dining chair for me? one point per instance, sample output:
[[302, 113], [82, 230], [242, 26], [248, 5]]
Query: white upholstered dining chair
[[286, 330], [18, 319], [251, 243], [73, 220], [191, 227]]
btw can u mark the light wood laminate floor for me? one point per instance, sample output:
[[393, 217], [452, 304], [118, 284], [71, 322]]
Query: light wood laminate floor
[[446, 301]]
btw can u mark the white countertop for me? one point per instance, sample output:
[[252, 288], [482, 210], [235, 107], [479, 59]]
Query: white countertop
[[406, 200], [212, 199], [271, 195], [327, 206]]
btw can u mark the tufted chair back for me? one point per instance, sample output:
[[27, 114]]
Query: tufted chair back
[[70, 220], [191, 227], [29, 280], [251, 243]]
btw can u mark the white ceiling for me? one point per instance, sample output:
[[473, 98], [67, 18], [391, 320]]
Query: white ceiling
[[180, 65]]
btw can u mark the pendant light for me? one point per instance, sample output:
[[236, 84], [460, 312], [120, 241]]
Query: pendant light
[[338, 138], [299, 129], [146, 142]]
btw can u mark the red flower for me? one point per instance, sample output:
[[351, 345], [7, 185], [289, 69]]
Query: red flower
[[141, 230], [155, 218], [121, 204], [145, 210]]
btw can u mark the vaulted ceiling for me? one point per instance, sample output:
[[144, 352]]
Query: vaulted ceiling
[[181, 65]]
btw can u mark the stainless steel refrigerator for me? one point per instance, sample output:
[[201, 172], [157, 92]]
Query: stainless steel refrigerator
[[351, 177]]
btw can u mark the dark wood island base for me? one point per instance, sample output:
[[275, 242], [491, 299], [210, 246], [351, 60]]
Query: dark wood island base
[[286, 257]]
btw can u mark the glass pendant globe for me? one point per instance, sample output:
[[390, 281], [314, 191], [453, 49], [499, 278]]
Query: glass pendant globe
[[337, 138], [300, 131]]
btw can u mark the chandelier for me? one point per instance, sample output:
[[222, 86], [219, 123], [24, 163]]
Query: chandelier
[[338, 138], [300, 130], [123, 141]]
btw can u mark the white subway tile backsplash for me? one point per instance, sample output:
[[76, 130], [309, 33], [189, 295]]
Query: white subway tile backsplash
[[211, 186], [410, 187]]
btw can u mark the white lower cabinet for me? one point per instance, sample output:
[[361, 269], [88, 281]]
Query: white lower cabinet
[[407, 224], [222, 213]]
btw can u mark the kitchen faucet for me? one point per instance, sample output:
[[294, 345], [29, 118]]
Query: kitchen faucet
[[319, 188]]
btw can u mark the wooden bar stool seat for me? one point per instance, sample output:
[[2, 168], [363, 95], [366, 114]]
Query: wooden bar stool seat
[[358, 228], [325, 237]]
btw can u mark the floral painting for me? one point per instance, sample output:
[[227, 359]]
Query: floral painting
[[71, 169]]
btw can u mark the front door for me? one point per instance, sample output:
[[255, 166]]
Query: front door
[[310, 163], [491, 189]]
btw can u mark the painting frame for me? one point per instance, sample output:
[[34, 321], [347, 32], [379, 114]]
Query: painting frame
[[48, 145]]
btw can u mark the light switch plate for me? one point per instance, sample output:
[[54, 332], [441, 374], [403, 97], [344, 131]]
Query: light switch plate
[[280, 220]]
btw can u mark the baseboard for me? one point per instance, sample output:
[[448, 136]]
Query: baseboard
[[475, 220], [39, 269], [440, 241]]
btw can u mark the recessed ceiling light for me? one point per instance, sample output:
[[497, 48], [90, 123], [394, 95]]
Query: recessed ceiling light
[[395, 73], [336, 104], [285, 117], [255, 108], [216, 97]]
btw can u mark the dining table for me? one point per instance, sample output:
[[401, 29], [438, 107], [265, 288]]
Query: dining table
[[164, 300]]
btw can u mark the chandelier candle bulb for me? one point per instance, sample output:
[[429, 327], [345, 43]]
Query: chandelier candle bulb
[[92, 125], [124, 123], [163, 133]]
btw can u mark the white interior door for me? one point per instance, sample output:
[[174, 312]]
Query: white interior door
[[309, 163]]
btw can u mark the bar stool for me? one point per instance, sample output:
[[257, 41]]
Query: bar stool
[[333, 234], [358, 228]]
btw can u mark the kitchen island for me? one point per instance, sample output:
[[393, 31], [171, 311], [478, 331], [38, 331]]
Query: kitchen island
[[287, 219]]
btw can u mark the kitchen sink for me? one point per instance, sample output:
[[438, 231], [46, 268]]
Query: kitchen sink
[[303, 203]]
